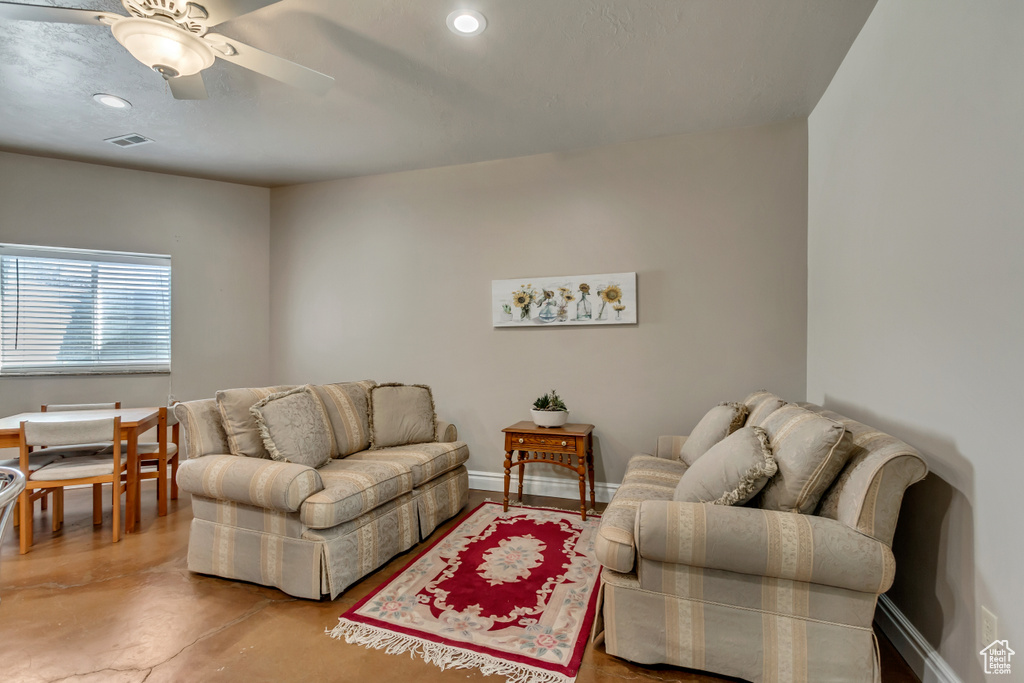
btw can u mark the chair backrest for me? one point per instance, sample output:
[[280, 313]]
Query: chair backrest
[[868, 492], [54, 407], [71, 432]]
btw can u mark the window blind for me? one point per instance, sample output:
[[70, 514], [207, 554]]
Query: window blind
[[76, 311]]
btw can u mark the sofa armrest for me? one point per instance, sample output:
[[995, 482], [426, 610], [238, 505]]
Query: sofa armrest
[[781, 545], [253, 481], [446, 432], [669, 447]]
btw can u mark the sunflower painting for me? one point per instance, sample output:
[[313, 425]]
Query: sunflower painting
[[586, 300]]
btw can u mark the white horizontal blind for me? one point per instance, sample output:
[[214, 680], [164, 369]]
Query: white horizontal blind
[[76, 311]]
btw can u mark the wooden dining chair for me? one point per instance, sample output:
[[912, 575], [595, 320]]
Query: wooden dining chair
[[71, 471], [150, 456], [42, 458]]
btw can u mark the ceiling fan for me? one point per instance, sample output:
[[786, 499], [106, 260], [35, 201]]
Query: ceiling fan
[[172, 37]]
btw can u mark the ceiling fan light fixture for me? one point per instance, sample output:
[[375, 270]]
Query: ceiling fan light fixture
[[112, 101], [162, 47], [466, 22]]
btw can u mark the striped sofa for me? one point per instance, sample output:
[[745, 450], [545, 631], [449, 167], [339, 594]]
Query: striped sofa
[[762, 595], [310, 532]]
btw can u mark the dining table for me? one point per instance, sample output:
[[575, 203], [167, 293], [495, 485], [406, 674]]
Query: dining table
[[134, 421]]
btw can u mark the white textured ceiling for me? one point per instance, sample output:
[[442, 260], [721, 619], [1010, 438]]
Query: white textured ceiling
[[546, 76]]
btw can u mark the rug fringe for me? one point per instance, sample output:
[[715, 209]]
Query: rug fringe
[[442, 656]]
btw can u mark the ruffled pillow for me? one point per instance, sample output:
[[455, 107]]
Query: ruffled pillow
[[295, 427], [717, 423], [732, 471], [401, 414]]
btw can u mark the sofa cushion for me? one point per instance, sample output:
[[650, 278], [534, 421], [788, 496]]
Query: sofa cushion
[[425, 460], [732, 471], [401, 414], [353, 487], [717, 423], [810, 450], [295, 427], [347, 406], [243, 435], [646, 478], [202, 428], [760, 405]]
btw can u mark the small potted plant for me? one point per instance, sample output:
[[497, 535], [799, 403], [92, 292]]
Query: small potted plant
[[549, 410]]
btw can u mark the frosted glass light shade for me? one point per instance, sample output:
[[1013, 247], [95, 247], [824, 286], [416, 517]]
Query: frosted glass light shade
[[157, 44], [466, 22]]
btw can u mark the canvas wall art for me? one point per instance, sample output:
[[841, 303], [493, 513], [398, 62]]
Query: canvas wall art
[[588, 300]]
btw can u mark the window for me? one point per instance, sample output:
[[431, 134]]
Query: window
[[77, 311]]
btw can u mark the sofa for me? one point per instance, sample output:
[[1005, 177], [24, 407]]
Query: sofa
[[273, 519], [753, 593]]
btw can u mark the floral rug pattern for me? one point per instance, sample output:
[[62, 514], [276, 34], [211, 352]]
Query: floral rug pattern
[[508, 593]]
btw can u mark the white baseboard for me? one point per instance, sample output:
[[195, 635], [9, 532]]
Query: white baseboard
[[540, 486], [922, 657]]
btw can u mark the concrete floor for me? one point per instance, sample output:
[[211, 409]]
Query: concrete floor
[[78, 607]]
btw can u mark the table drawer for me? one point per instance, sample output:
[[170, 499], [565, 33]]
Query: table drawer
[[542, 442]]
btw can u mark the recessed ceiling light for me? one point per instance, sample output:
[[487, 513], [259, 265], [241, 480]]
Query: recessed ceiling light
[[112, 101], [466, 22]]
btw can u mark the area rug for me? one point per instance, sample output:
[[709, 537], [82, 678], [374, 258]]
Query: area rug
[[511, 594]]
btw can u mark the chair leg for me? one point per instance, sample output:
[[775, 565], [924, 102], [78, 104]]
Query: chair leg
[[161, 488], [58, 509], [115, 493], [174, 477], [25, 536], [97, 504], [17, 512], [43, 501]]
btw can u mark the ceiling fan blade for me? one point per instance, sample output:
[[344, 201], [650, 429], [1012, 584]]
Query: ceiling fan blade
[[219, 11], [269, 65], [188, 87], [63, 15]]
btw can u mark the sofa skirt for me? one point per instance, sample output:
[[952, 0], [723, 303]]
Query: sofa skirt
[[756, 645], [321, 562], [441, 499]]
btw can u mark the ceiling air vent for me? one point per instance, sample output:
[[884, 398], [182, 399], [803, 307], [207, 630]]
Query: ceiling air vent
[[129, 140]]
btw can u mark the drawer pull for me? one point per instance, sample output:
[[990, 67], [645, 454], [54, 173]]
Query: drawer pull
[[520, 440], [563, 443]]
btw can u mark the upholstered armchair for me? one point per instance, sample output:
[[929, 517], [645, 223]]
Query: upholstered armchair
[[762, 595]]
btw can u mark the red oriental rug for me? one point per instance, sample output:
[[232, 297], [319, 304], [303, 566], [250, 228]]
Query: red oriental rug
[[511, 594]]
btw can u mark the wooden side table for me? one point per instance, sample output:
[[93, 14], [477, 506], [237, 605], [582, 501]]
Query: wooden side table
[[555, 446]]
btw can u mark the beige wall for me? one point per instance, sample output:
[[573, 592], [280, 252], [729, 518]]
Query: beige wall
[[217, 236], [916, 276], [389, 277]]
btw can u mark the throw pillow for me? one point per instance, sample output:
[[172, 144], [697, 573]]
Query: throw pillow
[[295, 427], [731, 472], [239, 425], [717, 423], [760, 405], [401, 414], [347, 405], [810, 450]]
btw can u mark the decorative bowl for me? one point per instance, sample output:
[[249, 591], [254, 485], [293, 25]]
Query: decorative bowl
[[549, 418]]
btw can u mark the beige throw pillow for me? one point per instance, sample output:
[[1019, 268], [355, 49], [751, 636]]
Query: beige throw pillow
[[717, 423], [294, 427], [239, 425], [401, 414], [760, 405], [347, 406], [810, 450], [731, 472]]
